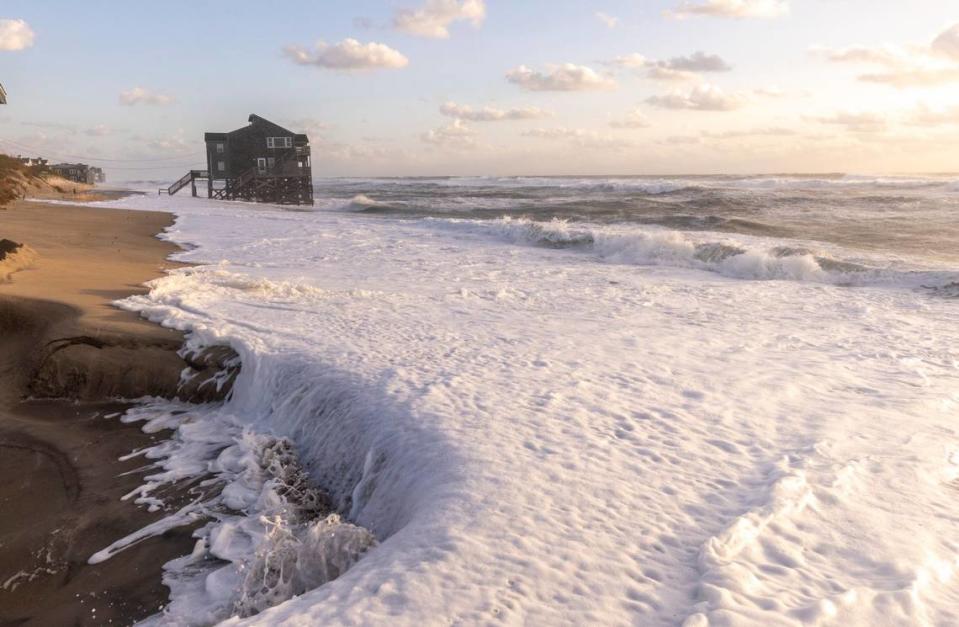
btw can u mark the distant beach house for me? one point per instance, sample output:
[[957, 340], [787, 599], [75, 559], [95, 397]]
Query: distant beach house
[[31, 162], [3, 95], [76, 172], [261, 162]]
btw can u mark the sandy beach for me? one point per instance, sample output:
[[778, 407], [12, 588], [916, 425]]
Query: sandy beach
[[67, 349]]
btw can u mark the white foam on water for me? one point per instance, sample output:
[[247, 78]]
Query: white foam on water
[[551, 434], [741, 256]]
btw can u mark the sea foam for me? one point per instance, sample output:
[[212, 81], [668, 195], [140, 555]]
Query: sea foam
[[560, 423]]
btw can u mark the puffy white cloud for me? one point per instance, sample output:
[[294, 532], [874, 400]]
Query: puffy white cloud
[[682, 68], [142, 95], [349, 54], [608, 20], [881, 55], [857, 122], [491, 114], [632, 61], [703, 97], [565, 77], [914, 65], [15, 35], [634, 119], [434, 18], [580, 138], [699, 61], [454, 136], [731, 8]]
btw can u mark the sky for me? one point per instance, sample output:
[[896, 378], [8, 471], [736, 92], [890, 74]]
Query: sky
[[490, 87]]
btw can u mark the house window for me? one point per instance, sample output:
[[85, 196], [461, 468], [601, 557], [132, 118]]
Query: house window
[[221, 165], [220, 148], [279, 142], [261, 165]]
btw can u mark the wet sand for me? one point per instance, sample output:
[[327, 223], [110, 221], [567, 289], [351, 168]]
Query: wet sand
[[62, 341]]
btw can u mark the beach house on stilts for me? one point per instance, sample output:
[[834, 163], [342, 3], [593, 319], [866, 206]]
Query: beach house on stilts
[[261, 162]]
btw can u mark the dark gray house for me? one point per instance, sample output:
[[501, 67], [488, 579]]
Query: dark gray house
[[261, 162], [76, 172]]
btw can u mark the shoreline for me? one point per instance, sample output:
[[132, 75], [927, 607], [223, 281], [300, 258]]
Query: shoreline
[[66, 355]]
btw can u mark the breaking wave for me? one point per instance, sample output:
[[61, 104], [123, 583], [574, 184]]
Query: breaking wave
[[265, 532], [733, 259]]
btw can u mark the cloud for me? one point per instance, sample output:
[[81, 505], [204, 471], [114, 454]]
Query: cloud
[[703, 97], [310, 127], [913, 77], [580, 138], [491, 114], [903, 66], [630, 61], [856, 122], [880, 55], [434, 18], [770, 92], [565, 77], [608, 20], [681, 140], [681, 68], [176, 143], [660, 73], [731, 8], [368, 150], [699, 61], [771, 131], [926, 116], [634, 119], [142, 95], [99, 130], [15, 35], [454, 136], [947, 43], [347, 55]]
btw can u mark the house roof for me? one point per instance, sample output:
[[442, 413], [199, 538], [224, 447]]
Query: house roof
[[255, 119]]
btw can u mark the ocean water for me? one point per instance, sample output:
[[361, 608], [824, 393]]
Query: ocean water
[[693, 400]]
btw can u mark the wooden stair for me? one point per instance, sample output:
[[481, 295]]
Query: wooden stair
[[187, 179]]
